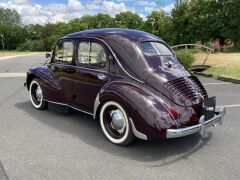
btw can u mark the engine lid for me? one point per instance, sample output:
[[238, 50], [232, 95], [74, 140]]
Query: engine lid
[[176, 83]]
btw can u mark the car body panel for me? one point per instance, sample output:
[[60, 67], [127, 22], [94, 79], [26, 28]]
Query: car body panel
[[158, 93]]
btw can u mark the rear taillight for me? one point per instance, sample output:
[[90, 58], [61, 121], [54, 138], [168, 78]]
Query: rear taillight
[[174, 113]]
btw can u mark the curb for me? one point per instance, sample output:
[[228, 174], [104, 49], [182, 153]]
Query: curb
[[20, 55], [236, 81], [232, 80], [202, 74]]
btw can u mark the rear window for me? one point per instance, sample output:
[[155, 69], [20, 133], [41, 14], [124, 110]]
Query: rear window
[[155, 49]]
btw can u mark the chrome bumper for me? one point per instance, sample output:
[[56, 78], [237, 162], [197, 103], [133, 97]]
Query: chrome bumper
[[217, 119]]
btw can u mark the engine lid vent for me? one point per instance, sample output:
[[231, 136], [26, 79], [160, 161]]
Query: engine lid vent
[[188, 90]]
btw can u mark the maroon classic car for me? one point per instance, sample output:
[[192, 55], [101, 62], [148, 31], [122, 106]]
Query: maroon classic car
[[130, 80]]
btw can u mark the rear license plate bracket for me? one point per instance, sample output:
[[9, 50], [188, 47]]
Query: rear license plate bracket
[[209, 106]]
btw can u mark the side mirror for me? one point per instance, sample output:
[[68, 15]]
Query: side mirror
[[110, 58], [48, 55]]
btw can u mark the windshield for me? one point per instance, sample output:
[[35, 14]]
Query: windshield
[[155, 49]]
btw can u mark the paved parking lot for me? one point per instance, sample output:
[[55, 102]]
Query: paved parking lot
[[49, 145]]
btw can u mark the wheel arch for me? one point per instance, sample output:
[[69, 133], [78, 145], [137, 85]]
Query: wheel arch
[[30, 77], [50, 85], [132, 99]]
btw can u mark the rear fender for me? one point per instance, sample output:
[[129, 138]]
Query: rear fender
[[148, 112]]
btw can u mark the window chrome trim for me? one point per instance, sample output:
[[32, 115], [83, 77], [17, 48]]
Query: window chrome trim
[[157, 41], [114, 57], [53, 52], [68, 106]]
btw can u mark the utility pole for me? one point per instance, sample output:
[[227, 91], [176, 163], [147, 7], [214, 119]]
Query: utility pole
[[2, 41]]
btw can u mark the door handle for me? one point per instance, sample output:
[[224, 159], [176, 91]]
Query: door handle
[[101, 76]]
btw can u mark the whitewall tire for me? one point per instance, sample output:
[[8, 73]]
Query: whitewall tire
[[36, 96], [115, 123]]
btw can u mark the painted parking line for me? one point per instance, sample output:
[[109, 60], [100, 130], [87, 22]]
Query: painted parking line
[[5, 75], [230, 105], [220, 83], [3, 174]]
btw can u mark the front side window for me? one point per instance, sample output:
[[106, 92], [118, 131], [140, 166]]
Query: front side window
[[155, 49], [93, 54], [64, 52]]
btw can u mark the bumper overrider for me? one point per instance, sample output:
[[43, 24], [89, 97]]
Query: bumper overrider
[[200, 127]]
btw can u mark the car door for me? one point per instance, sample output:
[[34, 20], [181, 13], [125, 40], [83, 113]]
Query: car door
[[91, 73], [61, 66]]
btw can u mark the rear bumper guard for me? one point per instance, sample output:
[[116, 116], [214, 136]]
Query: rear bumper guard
[[200, 127]]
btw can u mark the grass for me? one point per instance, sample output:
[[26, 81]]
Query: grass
[[12, 53], [224, 71], [227, 59], [223, 64]]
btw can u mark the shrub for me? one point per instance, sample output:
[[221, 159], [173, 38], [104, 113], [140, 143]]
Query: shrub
[[186, 58], [35, 45]]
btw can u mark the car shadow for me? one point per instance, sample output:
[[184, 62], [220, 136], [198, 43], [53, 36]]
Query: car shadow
[[89, 131]]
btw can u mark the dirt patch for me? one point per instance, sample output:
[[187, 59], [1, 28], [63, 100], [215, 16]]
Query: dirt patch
[[227, 59]]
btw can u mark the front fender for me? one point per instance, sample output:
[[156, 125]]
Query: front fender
[[148, 111], [49, 82]]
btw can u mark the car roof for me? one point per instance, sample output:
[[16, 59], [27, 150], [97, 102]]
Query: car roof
[[123, 43], [115, 34]]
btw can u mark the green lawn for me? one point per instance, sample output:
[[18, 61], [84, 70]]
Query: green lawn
[[228, 59], [224, 71], [13, 53]]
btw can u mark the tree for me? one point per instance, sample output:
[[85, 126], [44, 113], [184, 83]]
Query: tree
[[206, 20], [128, 20], [232, 28], [159, 24], [181, 17], [10, 28], [103, 21], [9, 17]]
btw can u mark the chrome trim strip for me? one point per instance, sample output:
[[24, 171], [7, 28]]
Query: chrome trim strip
[[217, 119], [96, 104], [136, 132], [79, 67], [68, 106]]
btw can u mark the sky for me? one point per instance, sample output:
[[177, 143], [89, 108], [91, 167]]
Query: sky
[[44, 11]]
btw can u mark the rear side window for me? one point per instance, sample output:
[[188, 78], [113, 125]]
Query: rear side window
[[83, 52], [64, 52], [155, 49], [93, 54]]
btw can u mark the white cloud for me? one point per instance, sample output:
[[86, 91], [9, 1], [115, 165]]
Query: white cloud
[[168, 9], [92, 6], [113, 8], [20, 1], [146, 3], [32, 13], [125, 0], [142, 16], [74, 5], [149, 9], [97, 1]]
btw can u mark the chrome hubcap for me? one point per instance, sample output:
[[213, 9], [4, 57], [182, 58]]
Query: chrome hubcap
[[118, 121], [39, 93]]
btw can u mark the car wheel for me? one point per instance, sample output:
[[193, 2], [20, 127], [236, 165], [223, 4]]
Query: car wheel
[[115, 124], [36, 96]]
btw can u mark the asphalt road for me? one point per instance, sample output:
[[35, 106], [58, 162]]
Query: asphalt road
[[49, 145]]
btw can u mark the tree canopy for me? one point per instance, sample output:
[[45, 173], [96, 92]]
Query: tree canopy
[[189, 22]]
